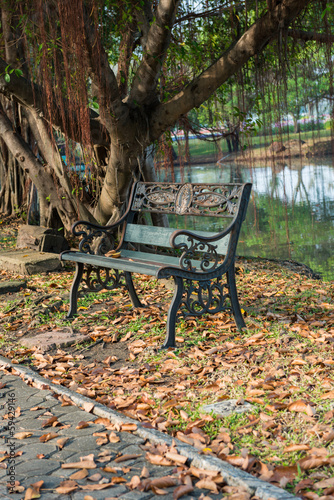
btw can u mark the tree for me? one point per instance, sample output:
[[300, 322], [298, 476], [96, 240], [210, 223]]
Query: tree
[[143, 64]]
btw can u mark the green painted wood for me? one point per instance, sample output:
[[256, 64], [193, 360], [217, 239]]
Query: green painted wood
[[160, 236], [112, 263], [162, 260]]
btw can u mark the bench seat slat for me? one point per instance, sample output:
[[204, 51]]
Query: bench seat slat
[[161, 260], [124, 264], [159, 236]]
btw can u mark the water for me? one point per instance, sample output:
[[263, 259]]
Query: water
[[291, 212]]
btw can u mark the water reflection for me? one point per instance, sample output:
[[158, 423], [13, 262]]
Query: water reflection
[[291, 213]]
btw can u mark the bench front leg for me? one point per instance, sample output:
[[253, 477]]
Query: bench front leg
[[230, 275], [132, 291], [74, 290], [173, 308]]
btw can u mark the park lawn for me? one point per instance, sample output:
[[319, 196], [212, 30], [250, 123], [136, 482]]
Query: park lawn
[[282, 364]]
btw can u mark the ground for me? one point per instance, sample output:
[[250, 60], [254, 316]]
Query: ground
[[282, 364]]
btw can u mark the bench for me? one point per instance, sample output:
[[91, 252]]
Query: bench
[[196, 260]]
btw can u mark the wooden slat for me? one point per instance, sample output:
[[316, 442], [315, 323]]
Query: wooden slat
[[120, 263], [159, 236], [161, 260]]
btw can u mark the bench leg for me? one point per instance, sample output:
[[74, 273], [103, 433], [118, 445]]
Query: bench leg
[[74, 290], [132, 292], [171, 318], [234, 299]]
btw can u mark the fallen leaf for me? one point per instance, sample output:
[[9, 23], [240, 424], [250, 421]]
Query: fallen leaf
[[164, 482], [33, 491], [182, 490], [82, 425], [326, 483], [175, 457], [129, 427], [328, 395], [124, 458], [22, 435], [61, 442], [67, 486], [207, 484], [50, 422], [47, 437], [301, 406], [295, 447], [80, 474]]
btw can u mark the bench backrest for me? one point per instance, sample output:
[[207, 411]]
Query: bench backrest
[[160, 237], [219, 200]]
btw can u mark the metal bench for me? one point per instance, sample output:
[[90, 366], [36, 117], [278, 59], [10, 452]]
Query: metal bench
[[197, 260]]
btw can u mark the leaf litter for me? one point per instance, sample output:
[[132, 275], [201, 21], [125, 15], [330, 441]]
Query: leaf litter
[[282, 364]]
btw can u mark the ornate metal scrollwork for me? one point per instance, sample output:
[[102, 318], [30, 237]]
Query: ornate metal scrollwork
[[201, 297], [96, 241], [188, 199], [101, 278], [196, 249]]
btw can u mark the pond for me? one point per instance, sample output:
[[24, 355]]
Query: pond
[[291, 212]]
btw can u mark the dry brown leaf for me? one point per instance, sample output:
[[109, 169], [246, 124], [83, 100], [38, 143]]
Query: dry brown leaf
[[164, 482], [124, 458], [295, 447], [88, 407], [102, 421], [207, 484], [312, 462], [33, 491], [326, 483], [80, 474], [67, 486], [175, 457], [183, 489], [328, 395], [95, 477], [145, 472], [50, 422], [47, 437], [95, 487], [61, 442], [301, 406], [202, 472], [129, 427], [113, 438], [157, 459], [134, 482], [82, 425], [22, 435], [329, 436]]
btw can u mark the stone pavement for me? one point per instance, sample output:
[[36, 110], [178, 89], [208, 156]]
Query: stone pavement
[[25, 409]]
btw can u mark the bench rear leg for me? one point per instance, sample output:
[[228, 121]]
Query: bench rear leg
[[234, 299], [74, 290], [132, 292], [173, 308]]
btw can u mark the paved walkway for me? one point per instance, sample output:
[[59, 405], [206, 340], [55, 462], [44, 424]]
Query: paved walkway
[[25, 409]]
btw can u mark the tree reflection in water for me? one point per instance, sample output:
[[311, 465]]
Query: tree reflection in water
[[291, 213]]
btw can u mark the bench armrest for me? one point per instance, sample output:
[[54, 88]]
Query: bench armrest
[[202, 245], [96, 239]]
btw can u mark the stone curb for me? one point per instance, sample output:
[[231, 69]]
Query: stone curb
[[232, 475]]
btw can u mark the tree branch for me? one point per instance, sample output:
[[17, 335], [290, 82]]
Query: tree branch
[[158, 38], [252, 42], [310, 35]]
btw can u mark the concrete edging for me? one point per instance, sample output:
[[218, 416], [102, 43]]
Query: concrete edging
[[231, 475]]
